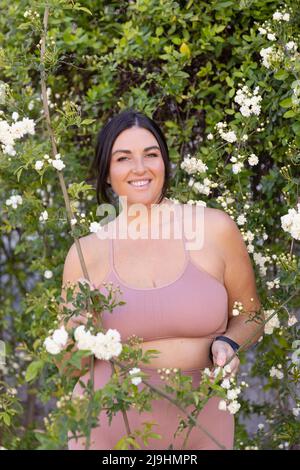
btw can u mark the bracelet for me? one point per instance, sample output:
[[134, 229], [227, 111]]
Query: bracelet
[[235, 346]]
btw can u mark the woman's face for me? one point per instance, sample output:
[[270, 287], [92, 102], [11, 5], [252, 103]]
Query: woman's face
[[132, 159]]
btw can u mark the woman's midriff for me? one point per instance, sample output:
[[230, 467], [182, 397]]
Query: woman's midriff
[[183, 353]]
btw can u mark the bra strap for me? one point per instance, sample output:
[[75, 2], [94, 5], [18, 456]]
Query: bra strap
[[180, 224]]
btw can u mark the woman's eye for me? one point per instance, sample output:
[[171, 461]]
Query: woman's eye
[[149, 155]]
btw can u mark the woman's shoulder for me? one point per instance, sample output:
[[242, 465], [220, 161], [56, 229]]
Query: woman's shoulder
[[90, 245], [214, 215]]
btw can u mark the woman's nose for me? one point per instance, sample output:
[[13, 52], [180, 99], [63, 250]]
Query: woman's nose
[[139, 165]]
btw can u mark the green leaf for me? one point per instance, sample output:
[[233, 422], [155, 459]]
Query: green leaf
[[286, 103], [83, 9], [290, 113], [33, 369], [6, 419], [86, 122], [296, 127], [281, 74]]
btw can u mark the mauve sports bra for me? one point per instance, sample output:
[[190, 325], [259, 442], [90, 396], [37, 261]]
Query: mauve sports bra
[[194, 305]]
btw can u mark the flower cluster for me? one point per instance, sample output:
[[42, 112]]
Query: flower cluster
[[135, 379], [260, 260], [193, 165], [103, 346], [231, 404], [31, 14], [57, 162], [44, 216], [14, 201], [56, 343], [275, 283], [229, 136], [271, 57], [204, 187], [272, 323], [249, 102], [237, 308], [290, 222], [276, 372], [281, 16], [296, 354], [10, 133]]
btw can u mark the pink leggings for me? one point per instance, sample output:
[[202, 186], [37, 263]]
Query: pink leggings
[[104, 437]]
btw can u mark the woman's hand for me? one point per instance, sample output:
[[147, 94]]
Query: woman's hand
[[221, 352]]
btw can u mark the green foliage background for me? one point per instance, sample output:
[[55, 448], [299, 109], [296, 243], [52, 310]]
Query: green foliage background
[[181, 63]]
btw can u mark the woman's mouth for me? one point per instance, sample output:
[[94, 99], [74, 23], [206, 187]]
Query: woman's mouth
[[140, 184]]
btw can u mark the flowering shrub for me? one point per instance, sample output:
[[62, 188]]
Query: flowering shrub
[[222, 79]]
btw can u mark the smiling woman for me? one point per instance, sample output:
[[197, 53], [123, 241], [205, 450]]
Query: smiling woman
[[176, 301]]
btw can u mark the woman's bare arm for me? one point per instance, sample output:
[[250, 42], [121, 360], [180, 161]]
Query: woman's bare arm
[[72, 272]]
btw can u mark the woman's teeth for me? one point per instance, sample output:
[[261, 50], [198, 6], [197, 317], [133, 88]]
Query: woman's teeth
[[140, 183]]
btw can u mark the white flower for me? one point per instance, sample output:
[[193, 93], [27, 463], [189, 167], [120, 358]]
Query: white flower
[[271, 36], [225, 383], [272, 323], [290, 222], [291, 46], [15, 116], [73, 221], [253, 159], [261, 426], [203, 188], [48, 274], [233, 393], [114, 335], [237, 167], [60, 336], [229, 136], [85, 339], [233, 407], [222, 405], [270, 55], [235, 312], [292, 320], [43, 216], [135, 380], [14, 201], [296, 411], [58, 164], [56, 343], [51, 346], [39, 165], [210, 136], [248, 101], [276, 373], [262, 31], [277, 16], [9, 150], [29, 125], [241, 220], [107, 346], [193, 165], [286, 17], [95, 227]]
